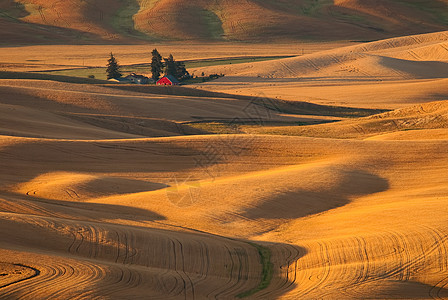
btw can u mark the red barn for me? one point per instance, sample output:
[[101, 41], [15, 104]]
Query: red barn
[[167, 80]]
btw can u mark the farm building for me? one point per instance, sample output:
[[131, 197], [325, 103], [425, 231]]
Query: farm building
[[133, 78], [168, 80], [120, 80], [138, 79]]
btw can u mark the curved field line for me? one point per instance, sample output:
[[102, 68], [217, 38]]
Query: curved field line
[[36, 273]]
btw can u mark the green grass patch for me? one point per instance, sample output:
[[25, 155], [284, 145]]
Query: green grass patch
[[99, 73], [438, 9], [123, 20], [307, 108], [312, 7], [241, 127], [267, 270], [14, 12], [216, 127], [413, 129], [286, 6], [40, 76], [356, 19], [195, 80], [213, 24]]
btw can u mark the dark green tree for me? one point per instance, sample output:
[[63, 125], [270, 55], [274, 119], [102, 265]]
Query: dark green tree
[[156, 64], [181, 71], [170, 66], [113, 68]]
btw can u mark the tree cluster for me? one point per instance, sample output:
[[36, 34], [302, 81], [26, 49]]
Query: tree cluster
[[169, 66], [166, 66]]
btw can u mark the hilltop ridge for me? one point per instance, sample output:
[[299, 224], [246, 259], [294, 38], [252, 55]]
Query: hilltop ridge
[[123, 21]]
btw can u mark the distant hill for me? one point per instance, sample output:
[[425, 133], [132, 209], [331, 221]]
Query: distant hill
[[408, 57], [121, 21]]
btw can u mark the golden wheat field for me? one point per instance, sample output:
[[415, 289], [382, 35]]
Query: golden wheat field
[[119, 21], [316, 168]]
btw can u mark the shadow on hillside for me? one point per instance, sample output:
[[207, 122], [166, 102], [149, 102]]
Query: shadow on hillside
[[396, 289], [78, 210], [14, 10], [123, 20], [203, 283], [244, 80], [282, 256], [51, 77], [156, 161], [144, 127], [284, 261], [275, 105], [298, 204], [24, 33]]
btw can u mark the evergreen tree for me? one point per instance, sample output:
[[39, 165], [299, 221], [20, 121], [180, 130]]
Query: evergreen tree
[[170, 66], [113, 68], [156, 64], [181, 71]]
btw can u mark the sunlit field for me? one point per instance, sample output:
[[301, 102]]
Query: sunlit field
[[308, 164]]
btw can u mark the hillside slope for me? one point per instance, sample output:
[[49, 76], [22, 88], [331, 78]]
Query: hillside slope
[[387, 74], [408, 57], [423, 121], [107, 192], [99, 21], [145, 217], [49, 109]]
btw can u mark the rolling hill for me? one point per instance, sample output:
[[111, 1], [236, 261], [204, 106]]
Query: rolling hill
[[118, 21], [316, 176], [111, 191], [408, 57], [143, 217], [385, 74], [49, 109], [423, 121]]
